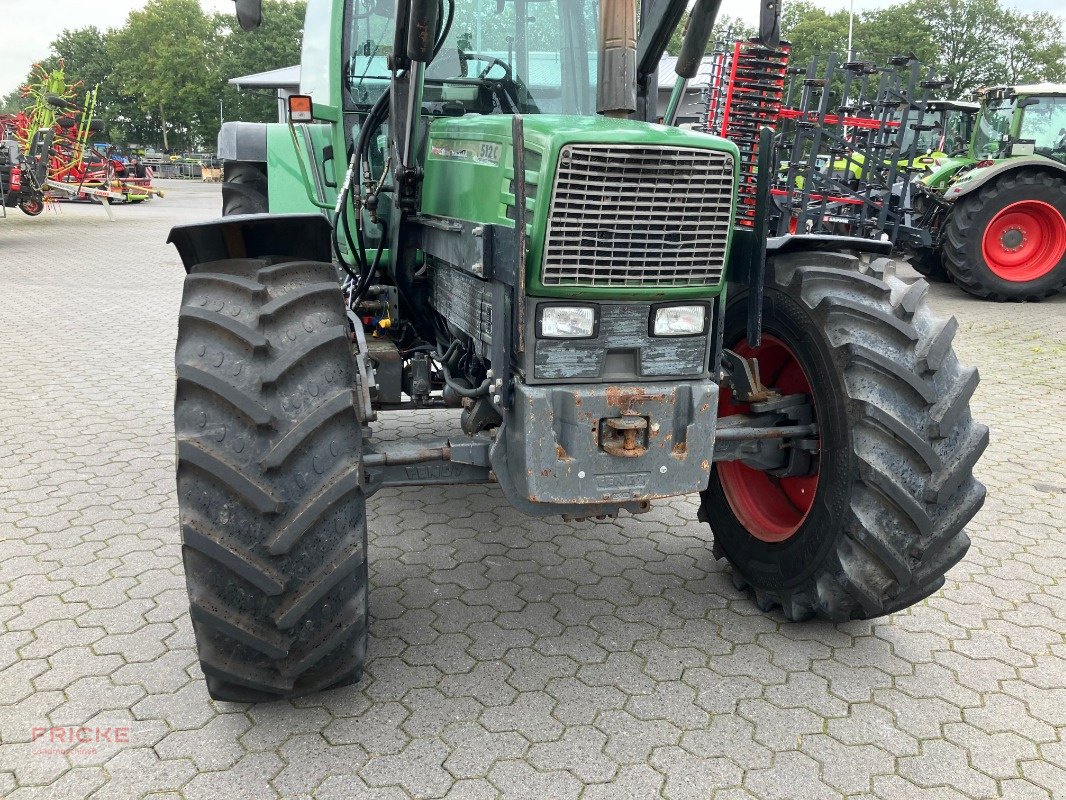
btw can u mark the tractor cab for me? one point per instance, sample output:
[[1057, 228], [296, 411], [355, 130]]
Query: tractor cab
[[947, 132], [1022, 121]]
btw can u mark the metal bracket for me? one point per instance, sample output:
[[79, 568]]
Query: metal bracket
[[367, 379], [427, 463], [742, 377]]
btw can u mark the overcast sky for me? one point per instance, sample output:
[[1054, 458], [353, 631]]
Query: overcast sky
[[37, 22]]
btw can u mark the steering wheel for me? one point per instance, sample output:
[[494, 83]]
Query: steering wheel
[[492, 61]]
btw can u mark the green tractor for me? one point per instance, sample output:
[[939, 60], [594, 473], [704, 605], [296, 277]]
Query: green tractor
[[997, 212], [474, 207]]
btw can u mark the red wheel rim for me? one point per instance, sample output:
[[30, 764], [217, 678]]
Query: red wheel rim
[[1024, 241], [771, 509]]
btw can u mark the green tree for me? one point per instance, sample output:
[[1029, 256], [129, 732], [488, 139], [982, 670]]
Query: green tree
[[11, 103], [967, 34], [726, 31], [84, 53], [894, 30], [1032, 48], [274, 45], [813, 32], [165, 59]]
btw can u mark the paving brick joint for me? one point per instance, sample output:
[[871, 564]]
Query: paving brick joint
[[509, 657]]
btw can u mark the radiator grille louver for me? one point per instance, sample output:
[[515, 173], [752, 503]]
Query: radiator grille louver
[[631, 216]]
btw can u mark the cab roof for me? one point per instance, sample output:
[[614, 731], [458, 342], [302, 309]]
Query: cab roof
[[954, 105], [1028, 89]]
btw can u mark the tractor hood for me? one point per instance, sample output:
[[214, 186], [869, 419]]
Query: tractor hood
[[943, 170], [469, 174]]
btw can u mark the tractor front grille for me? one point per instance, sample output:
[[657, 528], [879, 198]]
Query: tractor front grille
[[633, 216]]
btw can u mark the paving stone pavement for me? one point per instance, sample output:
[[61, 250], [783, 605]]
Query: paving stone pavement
[[509, 657]]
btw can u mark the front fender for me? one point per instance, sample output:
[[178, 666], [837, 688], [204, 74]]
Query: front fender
[[243, 141], [979, 176], [303, 236]]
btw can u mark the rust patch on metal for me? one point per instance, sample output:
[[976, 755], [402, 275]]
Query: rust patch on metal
[[624, 397], [561, 454], [705, 465]]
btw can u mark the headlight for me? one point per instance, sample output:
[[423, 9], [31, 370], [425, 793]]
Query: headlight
[[567, 322], [679, 320]]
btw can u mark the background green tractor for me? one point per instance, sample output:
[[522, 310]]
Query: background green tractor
[[997, 213], [476, 209]]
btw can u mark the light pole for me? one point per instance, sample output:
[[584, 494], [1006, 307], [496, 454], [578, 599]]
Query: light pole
[[851, 29]]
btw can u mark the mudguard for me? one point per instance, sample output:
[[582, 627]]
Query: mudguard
[[979, 176], [243, 141], [303, 236]]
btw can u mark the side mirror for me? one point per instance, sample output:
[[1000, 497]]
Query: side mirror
[[770, 23], [249, 13]]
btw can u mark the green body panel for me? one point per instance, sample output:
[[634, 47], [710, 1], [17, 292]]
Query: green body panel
[[470, 166], [948, 169], [288, 192]]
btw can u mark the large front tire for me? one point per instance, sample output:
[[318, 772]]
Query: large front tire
[[877, 520], [270, 479]]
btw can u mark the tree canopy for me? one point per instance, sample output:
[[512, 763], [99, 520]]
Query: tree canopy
[[974, 42], [164, 75]]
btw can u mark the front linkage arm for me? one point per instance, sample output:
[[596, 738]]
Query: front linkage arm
[[778, 437]]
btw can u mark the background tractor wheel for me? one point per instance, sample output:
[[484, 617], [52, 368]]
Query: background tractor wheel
[[878, 519], [33, 206], [272, 509], [1007, 240], [930, 265], [244, 188]]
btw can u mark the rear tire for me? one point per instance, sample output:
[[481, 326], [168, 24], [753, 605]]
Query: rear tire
[[980, 253], [894, 482], [244, 188], [270, 479]]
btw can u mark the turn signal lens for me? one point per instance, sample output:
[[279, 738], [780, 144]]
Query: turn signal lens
[[567, 322], [679, 320], [300, 108]]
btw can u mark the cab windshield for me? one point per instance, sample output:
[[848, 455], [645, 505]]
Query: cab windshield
[[947, 130], [1045, 123], [993, 124], [500, 56]]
